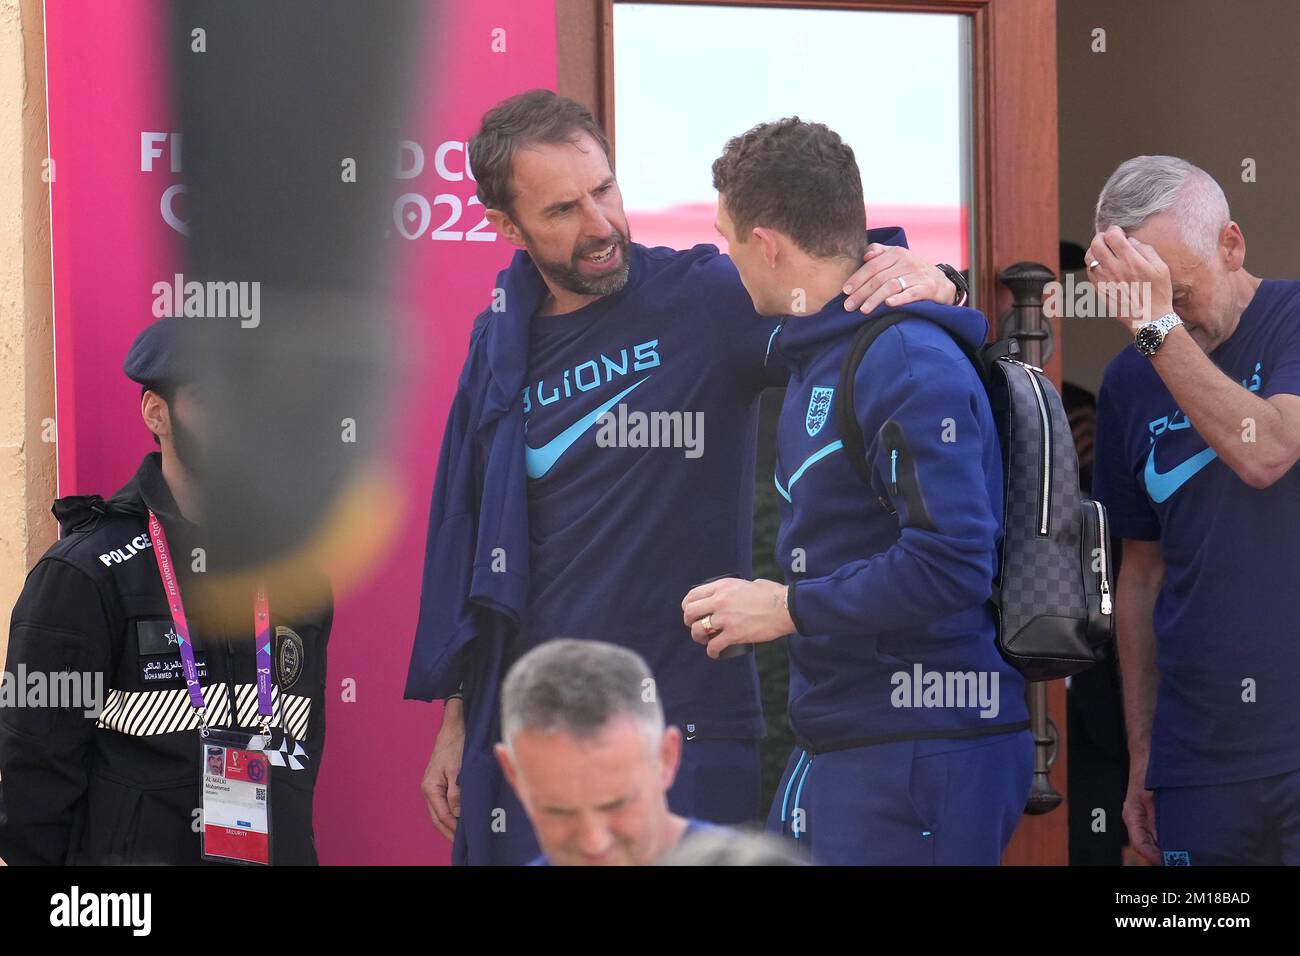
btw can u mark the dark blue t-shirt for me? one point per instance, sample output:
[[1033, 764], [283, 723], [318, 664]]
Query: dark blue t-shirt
[[1226, 623], [627, 514]]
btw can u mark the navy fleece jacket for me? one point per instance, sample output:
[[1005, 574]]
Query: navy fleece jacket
[[890, 585]]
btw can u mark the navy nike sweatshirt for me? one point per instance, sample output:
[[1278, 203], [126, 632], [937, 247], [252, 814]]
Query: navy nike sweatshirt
[[890, 584]]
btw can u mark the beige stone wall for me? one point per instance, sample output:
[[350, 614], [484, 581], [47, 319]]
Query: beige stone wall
[[27, 463]]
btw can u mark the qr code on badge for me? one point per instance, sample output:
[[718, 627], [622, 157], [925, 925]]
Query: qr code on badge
[[261, 794]]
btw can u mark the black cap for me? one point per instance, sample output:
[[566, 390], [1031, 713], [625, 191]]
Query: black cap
[[162, 355]]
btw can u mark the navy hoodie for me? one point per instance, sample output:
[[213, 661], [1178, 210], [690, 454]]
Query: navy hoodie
[[890, 585]]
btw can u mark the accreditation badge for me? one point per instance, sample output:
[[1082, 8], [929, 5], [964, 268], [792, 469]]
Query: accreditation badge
[[236, 797]]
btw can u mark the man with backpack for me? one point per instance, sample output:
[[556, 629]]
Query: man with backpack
[[911, 728]]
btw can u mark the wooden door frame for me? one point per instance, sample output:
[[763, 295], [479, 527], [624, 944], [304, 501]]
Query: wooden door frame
[[1014, 194]]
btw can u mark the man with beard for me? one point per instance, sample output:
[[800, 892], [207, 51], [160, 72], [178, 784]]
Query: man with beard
[[194, 715], [598, 462]]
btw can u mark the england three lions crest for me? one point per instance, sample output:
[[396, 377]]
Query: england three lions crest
[[819, 407]]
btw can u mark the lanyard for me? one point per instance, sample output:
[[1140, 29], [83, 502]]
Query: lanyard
[[261, 627]]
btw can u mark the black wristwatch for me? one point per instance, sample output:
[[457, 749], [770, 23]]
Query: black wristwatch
[[957, 279]]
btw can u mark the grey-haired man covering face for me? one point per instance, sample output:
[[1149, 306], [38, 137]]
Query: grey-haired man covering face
[[1198, 435]]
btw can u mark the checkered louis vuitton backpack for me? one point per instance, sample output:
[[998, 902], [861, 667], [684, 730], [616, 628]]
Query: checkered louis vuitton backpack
[[1052, 597]]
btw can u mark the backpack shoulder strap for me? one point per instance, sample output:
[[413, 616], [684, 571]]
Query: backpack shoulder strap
[[846, 408], [846, 412]]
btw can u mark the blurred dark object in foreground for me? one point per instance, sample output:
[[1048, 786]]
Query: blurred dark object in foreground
[[278, 100]]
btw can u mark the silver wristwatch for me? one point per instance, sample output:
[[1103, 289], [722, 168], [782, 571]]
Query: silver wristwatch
[[1152, 335]]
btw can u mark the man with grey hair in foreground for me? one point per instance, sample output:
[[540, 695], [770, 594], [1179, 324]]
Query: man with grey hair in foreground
[[1198, 434], [585, 747]]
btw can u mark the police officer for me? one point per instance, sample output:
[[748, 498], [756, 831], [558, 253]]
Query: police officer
[[206, 744]]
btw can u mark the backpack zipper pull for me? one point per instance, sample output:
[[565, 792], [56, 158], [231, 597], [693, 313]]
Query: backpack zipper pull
[[1024, 364], [893, 471]]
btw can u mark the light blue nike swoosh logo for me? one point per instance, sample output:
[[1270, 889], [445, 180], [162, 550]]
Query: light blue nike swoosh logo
[[540, 460], [1161, 487]]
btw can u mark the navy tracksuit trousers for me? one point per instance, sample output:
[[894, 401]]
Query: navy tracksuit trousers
[[908, 803]]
